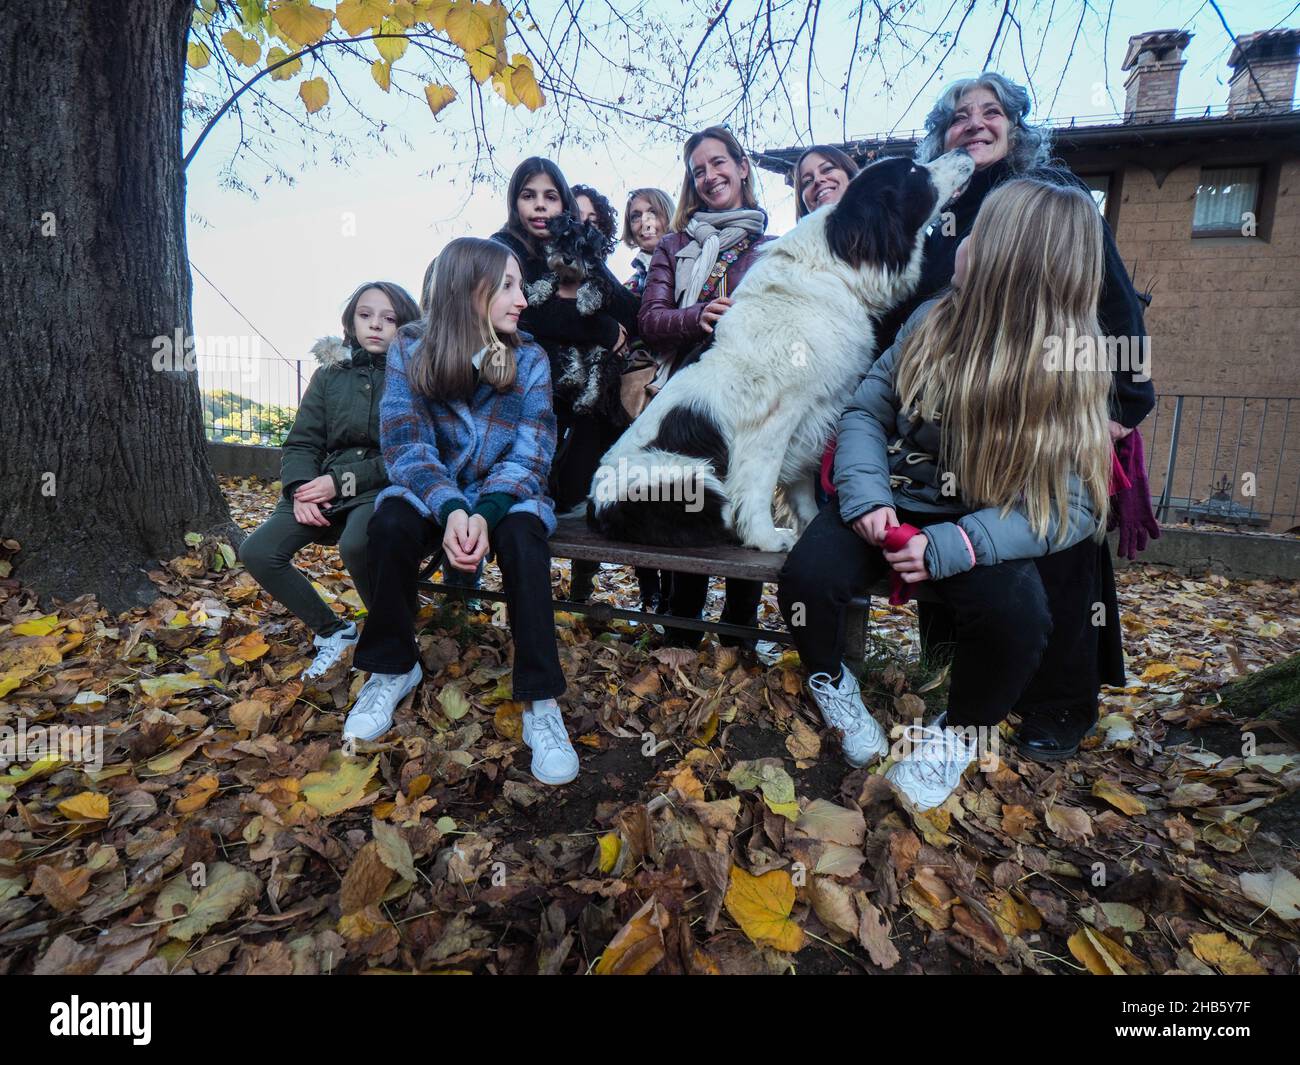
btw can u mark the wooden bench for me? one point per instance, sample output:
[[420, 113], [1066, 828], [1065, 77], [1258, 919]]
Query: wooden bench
[[572, 539]]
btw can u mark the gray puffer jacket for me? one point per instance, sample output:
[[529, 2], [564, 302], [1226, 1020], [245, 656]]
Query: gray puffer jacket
[[885, 457]]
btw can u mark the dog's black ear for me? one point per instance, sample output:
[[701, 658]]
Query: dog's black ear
[[876, 221]]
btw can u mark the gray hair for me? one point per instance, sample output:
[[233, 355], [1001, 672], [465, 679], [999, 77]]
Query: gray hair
[[1028, 146]]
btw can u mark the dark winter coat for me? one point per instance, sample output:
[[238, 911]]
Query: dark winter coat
[[336, 430], [664, 326]]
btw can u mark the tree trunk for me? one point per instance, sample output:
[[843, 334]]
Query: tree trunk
[[1273, 692], [104, 464]]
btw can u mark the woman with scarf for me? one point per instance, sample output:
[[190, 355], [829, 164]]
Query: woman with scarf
[[716, 228]]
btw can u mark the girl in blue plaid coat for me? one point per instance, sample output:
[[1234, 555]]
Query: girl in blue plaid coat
[[468, 434]]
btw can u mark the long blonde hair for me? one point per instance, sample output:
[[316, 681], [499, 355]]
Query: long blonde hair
[[1012, 427], [457, 325]]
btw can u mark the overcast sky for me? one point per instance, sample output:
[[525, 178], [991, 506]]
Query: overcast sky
[[288, 256]]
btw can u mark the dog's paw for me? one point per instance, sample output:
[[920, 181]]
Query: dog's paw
[[775, 540]]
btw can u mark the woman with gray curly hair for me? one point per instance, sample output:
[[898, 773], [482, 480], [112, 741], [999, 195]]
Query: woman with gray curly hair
[[988, 117]]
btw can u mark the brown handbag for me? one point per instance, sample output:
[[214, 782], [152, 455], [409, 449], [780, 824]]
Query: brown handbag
[[634, 390]]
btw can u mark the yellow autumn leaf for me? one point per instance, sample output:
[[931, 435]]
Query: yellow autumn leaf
[[638, 946], [1226, 955], [509, 721], [1159, 671], [247, 648], [244, 50], [37, 626], [391, 48], [358, 16], [483, 61], [1120, 798], [333, 791], [160, 689], [434, 12], [761, 905], [524, 83], [197, 793], [285, 72], [1270, 630], [382, 73], [315, 94], [610, 846], [439, 96], [1097, 952], [501, 82], [172, 760], [88, 806], [301, 22], [197, 55], [468, 26]]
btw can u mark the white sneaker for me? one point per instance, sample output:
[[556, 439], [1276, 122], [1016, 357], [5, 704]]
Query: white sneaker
[[378, 699], [329, 649], [931, 771], [554, 759], [842, 708]]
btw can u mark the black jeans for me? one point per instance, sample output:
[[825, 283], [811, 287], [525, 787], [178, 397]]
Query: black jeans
[[1086, 648], [686, 600], [1001, 617], [400, 540]]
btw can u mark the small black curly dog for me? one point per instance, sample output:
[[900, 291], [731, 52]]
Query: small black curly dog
[[575, 252]]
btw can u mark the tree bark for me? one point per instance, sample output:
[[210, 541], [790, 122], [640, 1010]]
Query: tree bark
[[1273, 692], [104, 462]]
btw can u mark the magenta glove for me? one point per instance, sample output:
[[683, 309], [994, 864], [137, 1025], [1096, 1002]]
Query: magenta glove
[[1130, 507]]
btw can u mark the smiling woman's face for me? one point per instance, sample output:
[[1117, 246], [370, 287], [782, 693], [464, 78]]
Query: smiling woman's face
[[820, 181], [719, 179], [980, 126]]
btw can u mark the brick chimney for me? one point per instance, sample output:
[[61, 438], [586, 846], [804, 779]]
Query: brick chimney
[[1155, 59], [1272, 57]]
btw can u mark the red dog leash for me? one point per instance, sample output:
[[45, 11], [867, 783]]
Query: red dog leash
[[900, 591]]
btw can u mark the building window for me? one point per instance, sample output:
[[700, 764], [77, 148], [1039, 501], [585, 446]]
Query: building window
[[1099, 186], [1227, 202]]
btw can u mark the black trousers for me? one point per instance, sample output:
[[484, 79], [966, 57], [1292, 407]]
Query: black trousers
[[400, 540], [1001, 617], [1086, 648], [686, 597]]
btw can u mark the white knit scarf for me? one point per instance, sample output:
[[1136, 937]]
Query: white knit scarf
[[711, 233]]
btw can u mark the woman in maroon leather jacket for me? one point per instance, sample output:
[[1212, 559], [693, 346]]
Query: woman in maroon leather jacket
[[715, 231]]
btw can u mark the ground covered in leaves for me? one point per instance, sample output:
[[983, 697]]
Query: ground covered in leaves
[[714, 827]]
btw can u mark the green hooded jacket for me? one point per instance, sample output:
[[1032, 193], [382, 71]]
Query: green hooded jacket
[[336, 430]]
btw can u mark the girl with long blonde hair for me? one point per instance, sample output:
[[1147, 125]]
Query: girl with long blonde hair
[[970, 449]]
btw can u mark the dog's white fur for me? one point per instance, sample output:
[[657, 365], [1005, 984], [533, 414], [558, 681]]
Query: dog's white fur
[[793, 347]]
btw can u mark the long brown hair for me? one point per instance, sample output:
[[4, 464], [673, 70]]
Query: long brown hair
[[525, 172], [466, 275], [832, 155], [1013, 427], [689, 201]]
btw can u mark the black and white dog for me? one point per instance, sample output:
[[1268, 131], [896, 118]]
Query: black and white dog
[[703, 461], [575, 252]]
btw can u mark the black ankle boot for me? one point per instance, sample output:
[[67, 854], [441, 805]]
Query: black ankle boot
[[1053, 735]]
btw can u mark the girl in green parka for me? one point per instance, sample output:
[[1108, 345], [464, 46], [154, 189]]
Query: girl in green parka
[[331, 467]]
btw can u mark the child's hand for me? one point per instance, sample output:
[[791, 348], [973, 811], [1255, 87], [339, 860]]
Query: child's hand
[[465, 540], [317, 490], [873, 527], [909, 563], [308, 513]]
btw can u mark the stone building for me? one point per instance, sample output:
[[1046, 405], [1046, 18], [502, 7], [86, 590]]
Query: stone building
[[1204, 202]]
